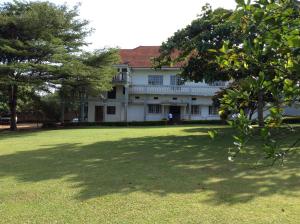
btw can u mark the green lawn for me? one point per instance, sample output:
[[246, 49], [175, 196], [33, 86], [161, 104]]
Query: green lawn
[[140, 175]]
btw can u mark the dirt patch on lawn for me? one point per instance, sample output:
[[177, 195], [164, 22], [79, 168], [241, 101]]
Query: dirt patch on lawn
[[23, 126]]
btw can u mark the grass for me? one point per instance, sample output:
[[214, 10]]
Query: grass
[[141, 175]]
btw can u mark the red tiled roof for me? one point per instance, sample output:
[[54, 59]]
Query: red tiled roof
[[139, 57]]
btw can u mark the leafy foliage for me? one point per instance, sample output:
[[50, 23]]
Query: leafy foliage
[[270, 54], [196, 46], [41, 46], [256, 47]]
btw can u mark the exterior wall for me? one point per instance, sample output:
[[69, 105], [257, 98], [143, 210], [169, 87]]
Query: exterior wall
[[138, 103], [140, 76], [292, 111], [118, 103], [135, 112]]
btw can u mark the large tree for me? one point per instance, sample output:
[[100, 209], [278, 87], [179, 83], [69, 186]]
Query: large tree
[[41, 45], [270, 53], [196, 46], [256, 47]]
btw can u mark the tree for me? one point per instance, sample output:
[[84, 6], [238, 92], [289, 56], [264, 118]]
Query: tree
[[270, 53], [259, 53], [93, 75], [40, 45], [196, 46]]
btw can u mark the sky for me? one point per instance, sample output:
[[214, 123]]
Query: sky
[[132, 23]]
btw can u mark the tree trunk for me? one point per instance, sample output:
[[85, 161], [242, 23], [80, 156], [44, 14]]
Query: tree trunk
[[81, 119], [12, 92], [62, 112], [260, 108], [251, 114]]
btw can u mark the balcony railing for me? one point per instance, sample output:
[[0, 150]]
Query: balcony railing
[[121, 77], [175, 90]]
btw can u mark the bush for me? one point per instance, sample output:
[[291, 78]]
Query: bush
[[50, 124], [142, 123], [291, 120], [221, 122]]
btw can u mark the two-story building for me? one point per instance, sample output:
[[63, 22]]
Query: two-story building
[[142, 93]]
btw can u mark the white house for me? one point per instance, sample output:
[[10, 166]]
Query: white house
[[141, 93]]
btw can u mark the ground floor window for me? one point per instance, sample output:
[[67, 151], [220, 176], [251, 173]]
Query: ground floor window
[[213, 110], [196, 110], [111, 110], [154, 108]]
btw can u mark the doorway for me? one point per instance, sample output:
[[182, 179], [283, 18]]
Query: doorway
[[99, 113], [175, 111]]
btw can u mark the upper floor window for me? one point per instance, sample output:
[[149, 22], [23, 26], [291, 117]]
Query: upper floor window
[[123, 70], [122, 75], [176, 80], [212, 110], [112, 94], [156, 80]]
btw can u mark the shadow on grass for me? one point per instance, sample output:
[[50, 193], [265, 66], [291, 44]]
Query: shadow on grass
[[159, 165]]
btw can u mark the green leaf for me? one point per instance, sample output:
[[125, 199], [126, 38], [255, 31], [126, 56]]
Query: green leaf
[[240, 2]]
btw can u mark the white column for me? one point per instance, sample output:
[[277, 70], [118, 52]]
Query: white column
[[126, 103], [190, 107], [145, 107]]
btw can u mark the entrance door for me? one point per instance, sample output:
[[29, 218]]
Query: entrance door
[[99, 113], [175, 111]]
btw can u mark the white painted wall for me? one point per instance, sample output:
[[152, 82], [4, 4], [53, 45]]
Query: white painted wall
[[91, 109], [154, 117], [113, 117], [136, 106], [136, 113], [140, 77], [292, 111]]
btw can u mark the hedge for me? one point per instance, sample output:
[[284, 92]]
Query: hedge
[[291, 120], [142, 123], [287, 120]]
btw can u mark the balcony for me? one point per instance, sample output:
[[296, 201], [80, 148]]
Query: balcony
[[121, 78], [175, 90]]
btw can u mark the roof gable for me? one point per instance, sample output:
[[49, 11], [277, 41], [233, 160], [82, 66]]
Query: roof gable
[[139, 57]]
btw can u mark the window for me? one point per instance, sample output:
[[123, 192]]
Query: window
[[194, 98], [196, 109], [174, 98], [213, 110], [111, 110], [122, 75], [217, 83], [112, 94], [156, 97], [176, 80], [154, 108], [156, 80], [137, 97], [124, 90]]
